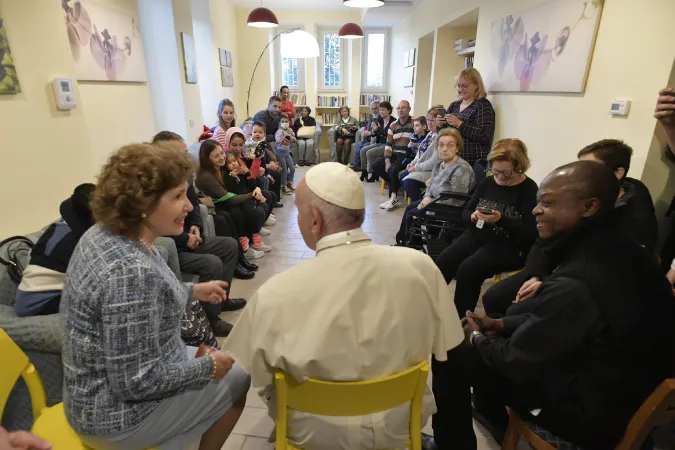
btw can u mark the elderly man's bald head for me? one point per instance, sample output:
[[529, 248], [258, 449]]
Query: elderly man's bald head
[[572, 193]]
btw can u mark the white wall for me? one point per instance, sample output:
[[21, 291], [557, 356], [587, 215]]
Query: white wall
[[631, 60]]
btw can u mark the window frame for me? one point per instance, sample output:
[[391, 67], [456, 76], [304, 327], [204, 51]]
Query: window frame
[[278, 65], [343, 63], [364, 60]]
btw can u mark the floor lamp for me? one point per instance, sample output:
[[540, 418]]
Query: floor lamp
[[300, 44]]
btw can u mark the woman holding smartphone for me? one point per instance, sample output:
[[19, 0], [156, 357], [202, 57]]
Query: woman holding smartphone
[[500, 225], [472, 114]]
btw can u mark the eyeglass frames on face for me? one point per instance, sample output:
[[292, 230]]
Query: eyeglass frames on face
[[504, 173]]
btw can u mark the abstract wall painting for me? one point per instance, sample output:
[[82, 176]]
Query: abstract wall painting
[[226, 73], [189, 58], [9, 81], [225, 57], [105, 43], [547, 48]]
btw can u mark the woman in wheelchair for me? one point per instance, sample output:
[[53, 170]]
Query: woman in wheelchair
[[450, 174], [500, 225]]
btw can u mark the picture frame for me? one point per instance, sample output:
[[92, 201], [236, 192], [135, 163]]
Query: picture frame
[[227, 76], [189, 58]]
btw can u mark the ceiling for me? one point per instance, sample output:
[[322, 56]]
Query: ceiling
[[388, 15]]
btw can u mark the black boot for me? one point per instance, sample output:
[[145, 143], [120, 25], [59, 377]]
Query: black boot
[[373, 178], [220, 327], [364, 175], [242, 273], [246, 264]]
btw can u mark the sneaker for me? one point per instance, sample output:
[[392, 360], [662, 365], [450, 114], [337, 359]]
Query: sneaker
[[252, 253], [286, 191], [273, 215], [265, 232], [263, 247], [290, 186], [271, 221], [393, 203], [385, 204]]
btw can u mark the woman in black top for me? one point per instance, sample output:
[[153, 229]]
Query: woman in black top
[[472, 115], [370, 153], [305, 145], [500, 225]]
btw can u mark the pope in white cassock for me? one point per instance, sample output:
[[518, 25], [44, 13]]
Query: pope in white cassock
[[356, 311]]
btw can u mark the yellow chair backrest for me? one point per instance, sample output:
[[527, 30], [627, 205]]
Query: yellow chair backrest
[[15, 364], [352, 398]]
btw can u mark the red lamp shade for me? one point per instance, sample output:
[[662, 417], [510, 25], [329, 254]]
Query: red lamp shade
[[262, 18], [350, 31]]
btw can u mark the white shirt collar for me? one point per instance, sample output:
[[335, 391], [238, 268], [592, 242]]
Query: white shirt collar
[[335, 236]]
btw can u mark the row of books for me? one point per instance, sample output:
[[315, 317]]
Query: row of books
[[331, 101], [468, 62], [364, 116], [366, 100], [297, 99], [326, 118]]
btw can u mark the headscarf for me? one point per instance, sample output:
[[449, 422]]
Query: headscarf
[[228, 137]]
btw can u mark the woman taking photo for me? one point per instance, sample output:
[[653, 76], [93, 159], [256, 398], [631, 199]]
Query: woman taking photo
[[345, 133], [370, 153], [247, 210], [500, 225], [226, 119], [305, 144], [451, 173], [130, 381], [415, 177], [472, 115]]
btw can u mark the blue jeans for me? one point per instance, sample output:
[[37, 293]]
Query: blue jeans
[[287, 167], [357, 155], [412, 187]]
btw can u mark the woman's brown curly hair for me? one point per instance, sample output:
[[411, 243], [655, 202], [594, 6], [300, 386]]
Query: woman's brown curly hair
[[133, 181]]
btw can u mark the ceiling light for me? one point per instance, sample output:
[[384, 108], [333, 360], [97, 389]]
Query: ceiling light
[[262, 18], [350, 31], [363, 3], [299, 44]]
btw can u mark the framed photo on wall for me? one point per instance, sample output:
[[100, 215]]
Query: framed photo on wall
[[409, 77]]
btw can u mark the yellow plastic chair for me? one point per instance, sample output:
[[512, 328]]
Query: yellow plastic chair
[[353, 398], [50, 423], [382, 186], [500, 276]]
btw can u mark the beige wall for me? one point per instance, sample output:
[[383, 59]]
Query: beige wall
[[116, 114], [447, 64], [425, 53], [44, 153], [625, 64]]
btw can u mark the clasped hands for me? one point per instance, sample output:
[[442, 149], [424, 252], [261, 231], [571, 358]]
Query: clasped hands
[[257, 194], [194, 237]]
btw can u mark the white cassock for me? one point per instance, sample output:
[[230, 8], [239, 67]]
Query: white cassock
[[357, 311]]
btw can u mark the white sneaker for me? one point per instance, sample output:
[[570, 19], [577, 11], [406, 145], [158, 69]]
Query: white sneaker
[[252, 253], [265, 232], [385, 204], [393, 203], [263, 247], [272, 215], [270, 221]]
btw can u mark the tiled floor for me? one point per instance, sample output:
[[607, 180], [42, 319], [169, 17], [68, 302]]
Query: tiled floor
[[255, 427]]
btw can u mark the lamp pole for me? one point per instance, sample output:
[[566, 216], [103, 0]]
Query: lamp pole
[[248, 96]]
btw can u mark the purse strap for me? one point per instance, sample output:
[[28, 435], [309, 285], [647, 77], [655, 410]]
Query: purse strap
[[14, 266]]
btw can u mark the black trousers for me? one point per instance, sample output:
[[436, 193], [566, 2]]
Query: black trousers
[[247, 217], [451, 383], [392, 175], [471, 263], [499, 297], [276, 186], [224, 226]]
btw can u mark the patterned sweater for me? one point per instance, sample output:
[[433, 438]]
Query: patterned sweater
[[121, 315], [398, 137]]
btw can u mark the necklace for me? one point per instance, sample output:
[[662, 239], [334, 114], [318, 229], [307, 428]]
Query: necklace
[[147, 246]]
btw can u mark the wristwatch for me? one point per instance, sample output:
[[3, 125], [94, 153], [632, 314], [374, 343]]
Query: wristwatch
[[473, 335]]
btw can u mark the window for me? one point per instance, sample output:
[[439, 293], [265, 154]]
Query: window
[[289, 71], [332, 75], [375, 60]]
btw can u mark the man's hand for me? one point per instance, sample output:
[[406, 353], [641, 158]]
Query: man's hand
[[488, 218], [193, 241], [665, 109], [21, 440], [489, 324], [425, 201], [387, 164], [211, 291], [271, 178], [194, 229], [453, 120], [528, 289]]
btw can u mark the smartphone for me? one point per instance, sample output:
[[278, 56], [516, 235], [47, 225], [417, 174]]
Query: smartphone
[[442, 112], [671, 93], [485, 211]]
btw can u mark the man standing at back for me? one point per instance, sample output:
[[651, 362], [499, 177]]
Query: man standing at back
[[332, 318], [270, 117]]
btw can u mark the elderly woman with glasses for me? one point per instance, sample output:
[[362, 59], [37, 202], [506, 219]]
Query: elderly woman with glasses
[[500, 225]]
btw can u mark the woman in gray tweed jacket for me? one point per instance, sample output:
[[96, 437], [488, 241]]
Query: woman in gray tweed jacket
[[129, 380]]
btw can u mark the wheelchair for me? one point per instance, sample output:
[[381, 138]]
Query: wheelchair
[[441, 222]]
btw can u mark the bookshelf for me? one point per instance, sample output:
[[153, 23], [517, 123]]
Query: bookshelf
[[331, 101], [298, 98], [467, 51], [367, 99]]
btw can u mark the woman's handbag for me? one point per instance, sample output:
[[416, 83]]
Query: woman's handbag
[[305, 132]]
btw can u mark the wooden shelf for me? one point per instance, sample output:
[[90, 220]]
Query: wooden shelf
[[329, 107], [467, 51]]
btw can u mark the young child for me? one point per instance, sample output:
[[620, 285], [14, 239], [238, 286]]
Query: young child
[[254, 152], [284, 137], [420, 128]]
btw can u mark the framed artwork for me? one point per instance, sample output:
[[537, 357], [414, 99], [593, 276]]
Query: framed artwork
[[226, 73], [406, 59], [547, 48], [225, 57], [9, 81], [411, 59], [409, 77], [189, 59], [105, 43]]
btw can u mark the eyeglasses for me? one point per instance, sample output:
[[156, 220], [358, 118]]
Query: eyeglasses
[[504, 173], [462, 86]]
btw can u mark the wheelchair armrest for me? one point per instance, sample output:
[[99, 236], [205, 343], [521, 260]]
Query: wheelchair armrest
[[449, 195]]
